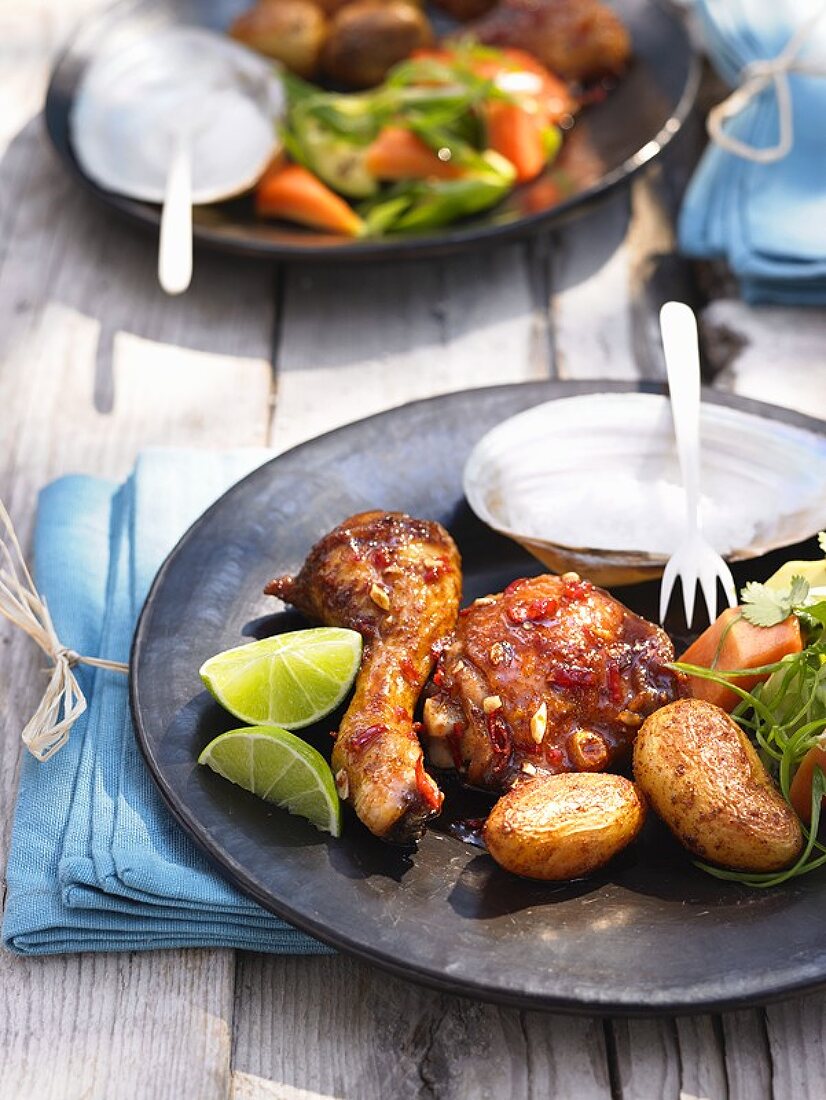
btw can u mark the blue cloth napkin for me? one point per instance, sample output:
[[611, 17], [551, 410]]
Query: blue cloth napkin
[[767, 220], [96, 861]]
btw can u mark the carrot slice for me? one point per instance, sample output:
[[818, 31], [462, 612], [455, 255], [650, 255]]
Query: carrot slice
[[514, 133], [800, 793], [399, 154], [296, 195], [731, 642]]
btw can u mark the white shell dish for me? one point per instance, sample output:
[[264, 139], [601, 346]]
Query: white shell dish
[[592, 484], [139, 100]]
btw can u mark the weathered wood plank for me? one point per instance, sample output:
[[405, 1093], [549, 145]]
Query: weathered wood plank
[[748, 1063], [702, 1062], [770, 353], [647, 1059], [114, 1027], [590, 285], [796, 1031], [95, 363], [355, 342], [361, 1034]]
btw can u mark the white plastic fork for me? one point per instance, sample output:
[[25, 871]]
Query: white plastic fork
[[694, 559]]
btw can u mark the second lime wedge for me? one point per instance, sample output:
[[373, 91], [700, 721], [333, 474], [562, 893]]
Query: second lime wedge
[[281, 768], [290, 680]]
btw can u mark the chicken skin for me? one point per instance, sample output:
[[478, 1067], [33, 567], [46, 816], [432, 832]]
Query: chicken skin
[[397, 581], [579, 40], [551, 675]]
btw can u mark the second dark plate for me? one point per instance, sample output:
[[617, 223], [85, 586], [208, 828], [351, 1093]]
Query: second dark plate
[[609, 142]]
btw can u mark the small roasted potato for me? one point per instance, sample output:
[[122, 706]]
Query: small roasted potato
[[290, 31], [369, 37], [559, 827], [703, 777]]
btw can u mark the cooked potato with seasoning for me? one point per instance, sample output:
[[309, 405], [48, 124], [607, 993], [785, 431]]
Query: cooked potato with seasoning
[[559, 827], [290, 31], [370, 36], [703, 777]]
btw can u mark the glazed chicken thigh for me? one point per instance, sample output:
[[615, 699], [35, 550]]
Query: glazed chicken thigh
[[397, 581], [551, 675]]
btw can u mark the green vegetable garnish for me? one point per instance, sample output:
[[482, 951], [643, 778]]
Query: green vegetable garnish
[[763, 606], [443, 103]]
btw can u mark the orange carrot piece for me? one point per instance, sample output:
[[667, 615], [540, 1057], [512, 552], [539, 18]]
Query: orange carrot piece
[[515, 134], [730, 643], [399, 154], [293, 193], [800, 793]]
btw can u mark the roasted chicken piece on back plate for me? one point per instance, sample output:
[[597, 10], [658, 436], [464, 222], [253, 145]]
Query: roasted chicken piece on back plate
[[551, 675], [397, 581], [579, 40]]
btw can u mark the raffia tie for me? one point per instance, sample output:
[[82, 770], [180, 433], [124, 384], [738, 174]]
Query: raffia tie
[[755, 78], [63, 701]]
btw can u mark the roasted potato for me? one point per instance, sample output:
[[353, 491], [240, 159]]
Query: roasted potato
[[703, 777], [290, 31], [370, 36], [560, 827]]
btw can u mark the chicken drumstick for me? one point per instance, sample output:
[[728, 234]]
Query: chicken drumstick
[[397, 581]]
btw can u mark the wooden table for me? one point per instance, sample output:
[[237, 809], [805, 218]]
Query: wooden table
[[96, 363]]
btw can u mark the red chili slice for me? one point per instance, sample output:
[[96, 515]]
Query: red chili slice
[[532, 611], [431, 795], [499, 734], [436, 570], [571, 676], [408, 670], [379, 557], [578, 590], [367, 736], [614, 680]]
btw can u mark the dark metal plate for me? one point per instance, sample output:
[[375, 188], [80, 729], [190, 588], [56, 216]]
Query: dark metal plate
[[650, 934], [609, 142]]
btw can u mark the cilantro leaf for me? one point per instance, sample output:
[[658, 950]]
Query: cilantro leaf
[[798, 591], [763, 606]]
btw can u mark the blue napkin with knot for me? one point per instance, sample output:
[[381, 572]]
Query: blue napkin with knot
[[767, 220], [96, 861]]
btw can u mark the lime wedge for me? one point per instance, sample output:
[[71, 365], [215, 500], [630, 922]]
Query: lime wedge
[[280, 768], [291, 680]]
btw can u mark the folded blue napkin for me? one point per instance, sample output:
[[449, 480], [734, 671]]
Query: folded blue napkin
[[96, 861], [767, 220]]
